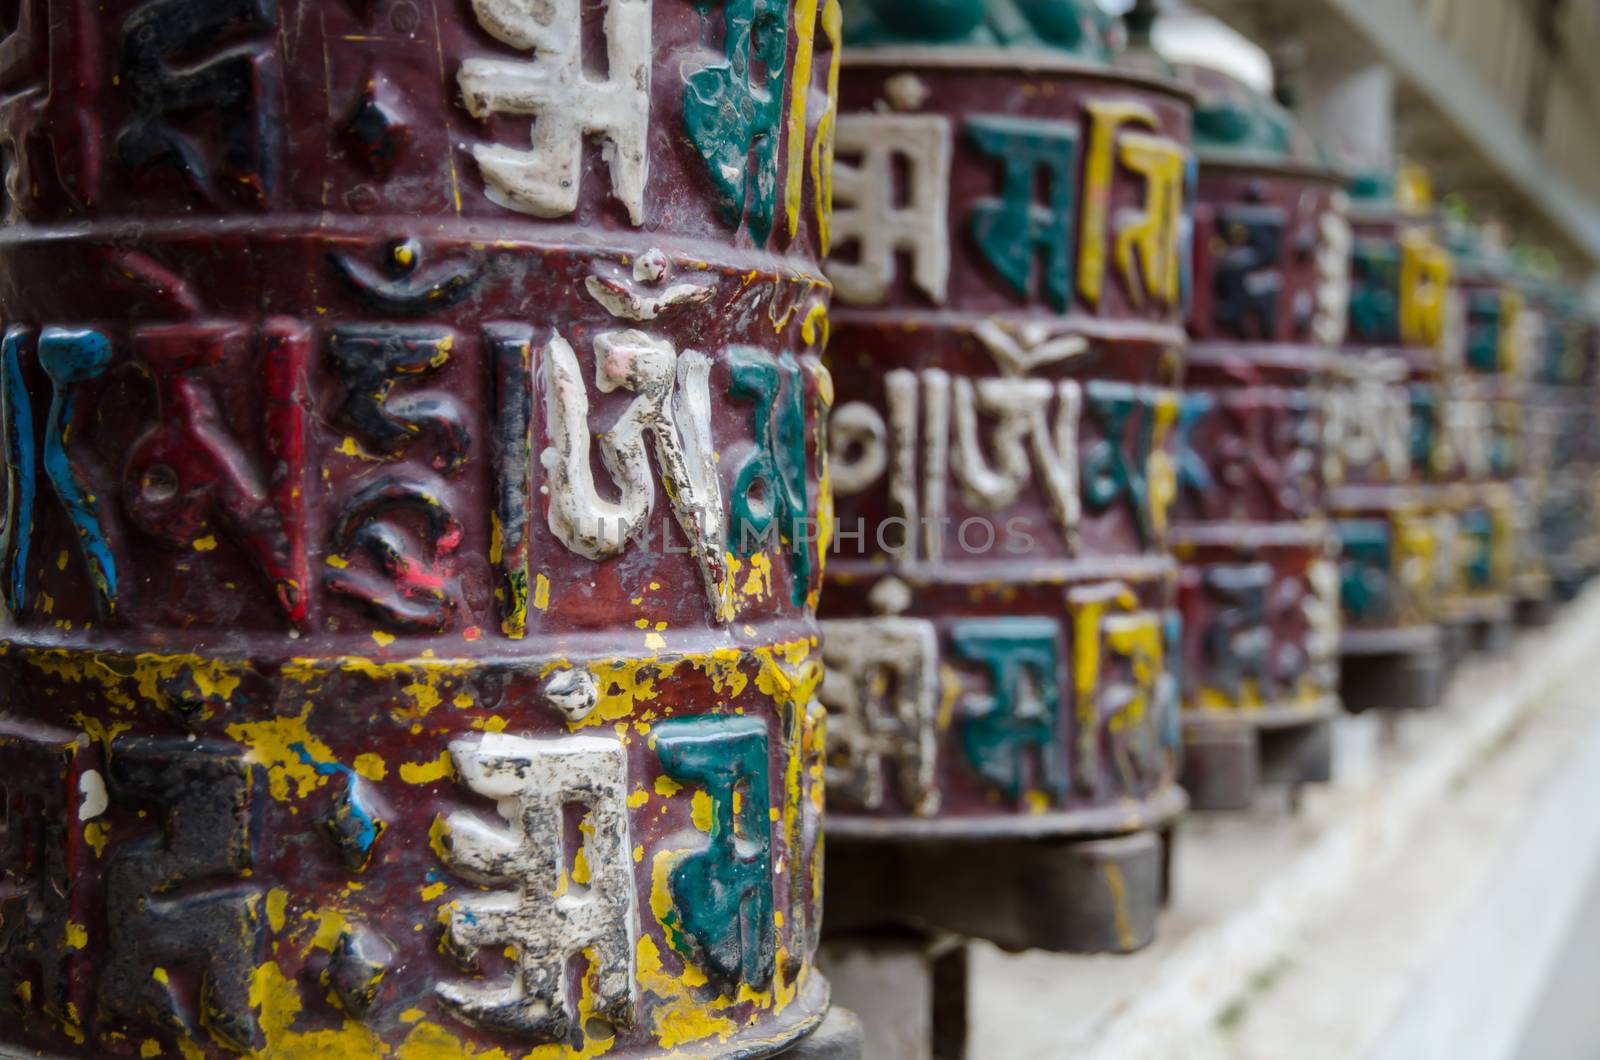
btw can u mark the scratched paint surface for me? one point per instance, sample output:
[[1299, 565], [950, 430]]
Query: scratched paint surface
[[1005, 359], [1271, 282], [373, 436]]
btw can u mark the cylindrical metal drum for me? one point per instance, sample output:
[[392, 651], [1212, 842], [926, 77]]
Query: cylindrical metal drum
[[1476, 422], [413, 418], [1009, 241], [1380, 446], [1259, 591]]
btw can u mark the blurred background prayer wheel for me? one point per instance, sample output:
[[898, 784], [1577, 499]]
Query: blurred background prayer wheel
[[1475, 425], [1380, 450], [1557, 372], [1259, 590], [414, 429], [1009, 248]]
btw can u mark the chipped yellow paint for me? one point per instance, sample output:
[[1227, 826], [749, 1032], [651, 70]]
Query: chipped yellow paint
[[412, 1015], [206, 544], [277, 903], [638, 854], [337, 562], [681, 1019], [77, 936], [96, 833], [276, 1000], [1036, 802], [702, 811], [149, 1048], [351, 447], [272, 745], [638, 798], [428, 772], [428, 1041], [788, 673], [382, 639], [438, 831], [541, 593], [666, 787], [371, 767], [61, 560], [212, 678], [433, 890], [623, 685]]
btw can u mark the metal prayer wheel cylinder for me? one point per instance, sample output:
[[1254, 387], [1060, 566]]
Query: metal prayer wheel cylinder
[[1001, 628], [1259, 589], [351, 704], [1380, 451], [1476, 425]]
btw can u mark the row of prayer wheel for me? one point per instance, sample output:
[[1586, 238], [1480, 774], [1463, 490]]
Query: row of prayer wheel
[[482, 476]]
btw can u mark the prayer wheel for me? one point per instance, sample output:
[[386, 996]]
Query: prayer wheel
[[1010, 235], [1259, 589], [1476, 426], [414, 428], [1380, 446]]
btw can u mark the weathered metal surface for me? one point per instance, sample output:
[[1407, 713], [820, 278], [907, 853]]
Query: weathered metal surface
[[1381, 446], [1009, 258], [311, 566], [1259, 591]]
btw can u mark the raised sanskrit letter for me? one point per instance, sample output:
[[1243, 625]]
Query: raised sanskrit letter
[[1123, 688], [154, 920], [188, 468], [882, 694], [673, 406], [1105, 119], [70, 358], [868, 212], [1020, 406], [534, 781], [1021, 713], [733, 108], [42, 772], [370, 360], [1425, 271], [1249, 281], [567, 103], [1014, 230], [1154, 232], [159, 41], [723, 894], [22, 469], [777, 463]]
